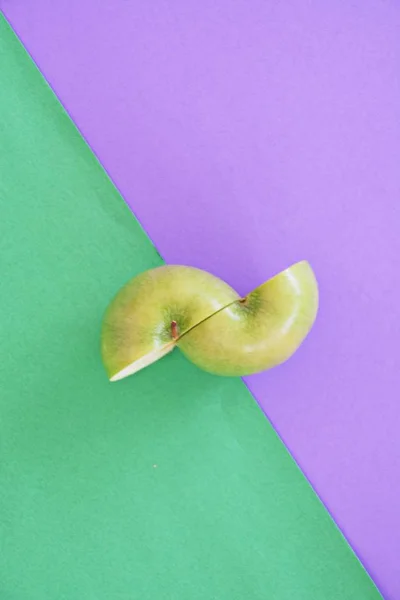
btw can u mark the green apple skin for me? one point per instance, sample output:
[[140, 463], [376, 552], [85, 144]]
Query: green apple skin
[[137, 323], [260, 332]]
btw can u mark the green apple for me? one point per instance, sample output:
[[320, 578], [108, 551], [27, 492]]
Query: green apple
[[260, 331], [149, 314]]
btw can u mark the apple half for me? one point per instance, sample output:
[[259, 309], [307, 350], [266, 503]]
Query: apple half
[[213, 326], [260, 331], [153, 310]]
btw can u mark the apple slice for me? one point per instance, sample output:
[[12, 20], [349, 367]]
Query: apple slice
[[150, 313], [260, 331]]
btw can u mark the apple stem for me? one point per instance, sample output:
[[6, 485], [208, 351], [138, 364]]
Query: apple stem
[[174, 330], [243, 300]]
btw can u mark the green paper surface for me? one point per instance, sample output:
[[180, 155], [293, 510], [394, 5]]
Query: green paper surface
[[171, 484]]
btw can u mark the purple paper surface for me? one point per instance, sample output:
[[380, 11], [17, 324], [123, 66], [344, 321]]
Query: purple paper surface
[[246, 136]]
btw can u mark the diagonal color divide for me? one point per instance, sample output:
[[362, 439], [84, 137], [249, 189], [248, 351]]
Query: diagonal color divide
[[171, 484], [243, 140]]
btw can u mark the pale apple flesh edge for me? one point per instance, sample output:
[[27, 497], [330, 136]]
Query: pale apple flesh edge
[[143, 362]]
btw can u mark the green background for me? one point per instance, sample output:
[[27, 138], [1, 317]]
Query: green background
[[170, 484]]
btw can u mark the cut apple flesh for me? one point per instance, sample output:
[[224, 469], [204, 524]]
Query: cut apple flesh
[[143, 362]]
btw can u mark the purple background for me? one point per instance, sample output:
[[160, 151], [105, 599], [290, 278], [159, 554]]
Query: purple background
[[245, 135]]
